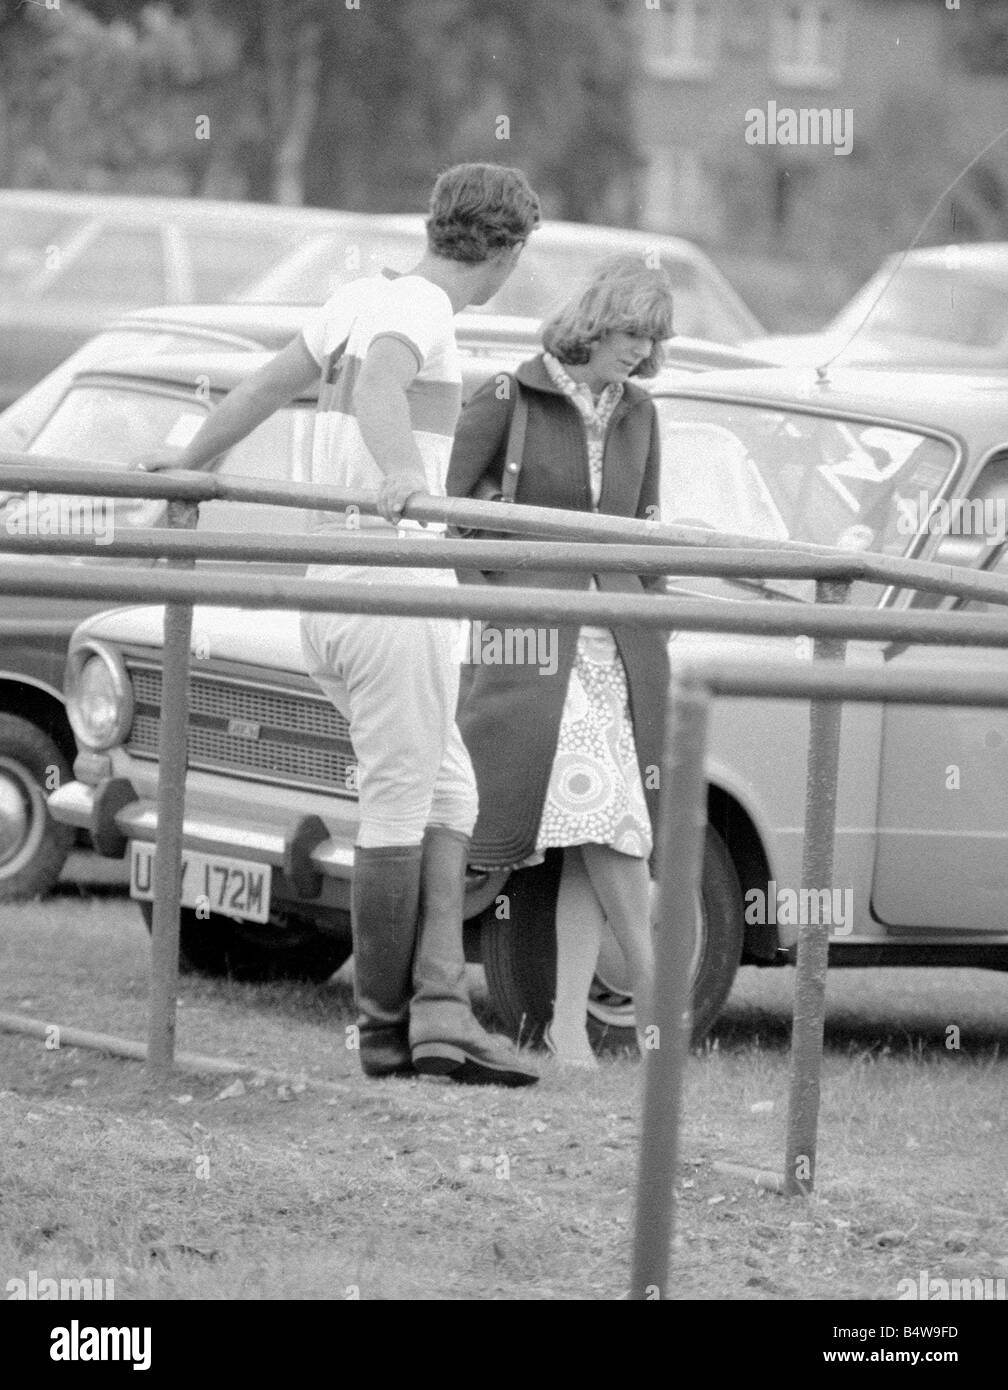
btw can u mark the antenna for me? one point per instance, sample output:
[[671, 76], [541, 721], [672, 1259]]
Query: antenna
[[822, 371]]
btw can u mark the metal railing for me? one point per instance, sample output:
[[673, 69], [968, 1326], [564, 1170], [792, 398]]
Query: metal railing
[[563, 542]]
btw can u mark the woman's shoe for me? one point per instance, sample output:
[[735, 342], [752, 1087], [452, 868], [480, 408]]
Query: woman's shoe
[[568, 1059]]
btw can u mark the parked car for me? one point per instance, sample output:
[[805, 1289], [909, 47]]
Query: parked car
[[778, 454], [557, 258], [70, 262], [941, 308], [240, 327]]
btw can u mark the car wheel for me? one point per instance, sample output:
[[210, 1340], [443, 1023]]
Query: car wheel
[[519, 954], [33, 846], [288, 947]]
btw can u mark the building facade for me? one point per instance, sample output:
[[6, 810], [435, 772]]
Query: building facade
[[820, 129]]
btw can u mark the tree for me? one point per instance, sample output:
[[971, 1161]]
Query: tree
[[112, 103], [546, 86], [318, 100]]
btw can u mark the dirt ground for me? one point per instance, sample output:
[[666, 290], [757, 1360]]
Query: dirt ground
[[421, 1189]]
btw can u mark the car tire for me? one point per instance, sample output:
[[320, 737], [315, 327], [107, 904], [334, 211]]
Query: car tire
[[33, 846], [291, 948], [519, 954]]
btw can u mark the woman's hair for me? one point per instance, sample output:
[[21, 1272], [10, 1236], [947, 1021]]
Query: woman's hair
[[623, 295], [477, 209]]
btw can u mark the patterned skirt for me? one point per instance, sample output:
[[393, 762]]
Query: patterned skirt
[[595, 794]]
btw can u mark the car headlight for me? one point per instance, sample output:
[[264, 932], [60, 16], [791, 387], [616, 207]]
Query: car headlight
[[99, 696]]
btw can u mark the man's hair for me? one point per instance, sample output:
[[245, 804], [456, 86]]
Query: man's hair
[[624, 294], [478, 209]]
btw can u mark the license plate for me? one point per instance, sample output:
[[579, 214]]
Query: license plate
[[229, 887]]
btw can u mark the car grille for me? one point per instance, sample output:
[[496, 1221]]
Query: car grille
[[264, 733]]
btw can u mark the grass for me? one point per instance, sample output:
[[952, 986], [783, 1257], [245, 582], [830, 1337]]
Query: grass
[[420, 1189]]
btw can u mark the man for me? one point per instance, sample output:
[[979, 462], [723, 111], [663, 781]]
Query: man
[[388, 405]]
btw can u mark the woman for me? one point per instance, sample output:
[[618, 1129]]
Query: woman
[[569, 759]]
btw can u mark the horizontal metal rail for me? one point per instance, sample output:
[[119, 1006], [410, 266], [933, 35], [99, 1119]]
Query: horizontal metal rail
[[57, 475], [532, 607], [53, 475], [682, 561], [862, 685]]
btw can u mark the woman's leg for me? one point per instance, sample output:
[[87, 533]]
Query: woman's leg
[[623, 885], [579, 920]]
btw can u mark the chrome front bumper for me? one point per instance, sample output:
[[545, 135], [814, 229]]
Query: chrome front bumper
[[294, 845]]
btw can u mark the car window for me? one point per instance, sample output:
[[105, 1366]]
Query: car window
[[311, 274], [20, 421], [111, 426], [123, 266], [29, 239], [786, 475], [278, 450], [225, 263], [545, 278]]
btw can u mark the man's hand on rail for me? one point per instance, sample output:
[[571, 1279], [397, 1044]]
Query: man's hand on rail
[[161, 459], [395, 490]]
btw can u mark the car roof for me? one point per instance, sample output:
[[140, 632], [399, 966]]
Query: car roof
[[552, 234], [703, 355], [952, 402], [320, 220], [276, 324], [223, 369], [132, 206], [990, 258], [591, 236]]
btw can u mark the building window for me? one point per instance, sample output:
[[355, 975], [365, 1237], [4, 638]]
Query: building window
[[808, 43], [681, 39]]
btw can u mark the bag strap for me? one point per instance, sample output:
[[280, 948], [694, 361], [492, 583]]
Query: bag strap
[[514, 456], [332, 362]]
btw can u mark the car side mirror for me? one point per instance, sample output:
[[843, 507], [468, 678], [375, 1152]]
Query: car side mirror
[[970, 552]]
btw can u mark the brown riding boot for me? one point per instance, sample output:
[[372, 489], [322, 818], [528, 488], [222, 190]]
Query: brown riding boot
[[445, 1038], [384, 905]]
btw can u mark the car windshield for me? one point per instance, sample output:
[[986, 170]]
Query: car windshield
[[314, 272], [787, 475], [543, 279], [21, 420], [108, 427], [930, 302], [112, 426]]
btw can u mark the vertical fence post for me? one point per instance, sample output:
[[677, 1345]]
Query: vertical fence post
[[683, 825], [813, 937], [170, 811]]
